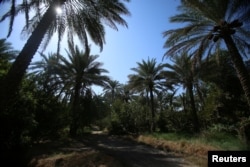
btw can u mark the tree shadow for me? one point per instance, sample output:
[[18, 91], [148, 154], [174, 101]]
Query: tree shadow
[[134, 154]]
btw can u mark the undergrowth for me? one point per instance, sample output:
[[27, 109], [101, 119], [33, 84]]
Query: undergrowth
[[193, 147], [219, 140]]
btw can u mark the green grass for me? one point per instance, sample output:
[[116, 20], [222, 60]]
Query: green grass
[[220, 140], [171, 136]]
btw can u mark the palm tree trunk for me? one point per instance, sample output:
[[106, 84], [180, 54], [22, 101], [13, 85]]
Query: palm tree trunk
[[200, 94], [17, 71], [193, 108], [183, 100], [239, 66], [171, 101], [152, 128], [75, 110], [112, 95]]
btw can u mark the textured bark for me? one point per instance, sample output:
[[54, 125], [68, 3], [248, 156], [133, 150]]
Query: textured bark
[[75, 109], [193, 108], [239, 66], [13, 79], [152, 128], [11, 83]]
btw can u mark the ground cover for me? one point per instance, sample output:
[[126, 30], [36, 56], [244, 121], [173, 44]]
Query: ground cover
[[193, 147]]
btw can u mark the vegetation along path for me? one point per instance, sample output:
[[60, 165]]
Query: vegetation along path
[[134, 154]]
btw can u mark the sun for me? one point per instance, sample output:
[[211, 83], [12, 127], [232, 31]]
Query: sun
[[58, 10]]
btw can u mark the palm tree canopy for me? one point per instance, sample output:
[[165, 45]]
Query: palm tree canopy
[[112, 88], [205, 22], [84, 19], [81, 67], [46, 70], [62, 73], [78, 18], [180, 72], [148, 74], [183, 71], [46, 65], [7, 52]]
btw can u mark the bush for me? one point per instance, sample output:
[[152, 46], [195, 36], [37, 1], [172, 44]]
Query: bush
[[175, 122], [128, 117], [221, 136]]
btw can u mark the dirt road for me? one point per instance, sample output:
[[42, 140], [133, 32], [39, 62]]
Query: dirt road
[[132, 154]]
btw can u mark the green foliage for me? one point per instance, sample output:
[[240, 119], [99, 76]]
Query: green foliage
[[128, 117], [244, 131], [51, 116], [7, 54], [102, 113], [120, 117], [212, 137], [18, 120], [175, 122], [112, 89], [223, 107], [172, 136], [221, 136], [33, 115], [211, 101], [43, 107], [92, 111], [199, 18]]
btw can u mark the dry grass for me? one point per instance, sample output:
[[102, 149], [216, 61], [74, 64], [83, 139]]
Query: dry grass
[[183, 147], [193, 152], [75, 159]]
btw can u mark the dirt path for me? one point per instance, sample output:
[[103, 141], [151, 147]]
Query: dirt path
[[132, 154]]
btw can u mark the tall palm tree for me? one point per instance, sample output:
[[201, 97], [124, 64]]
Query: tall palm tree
[[181, 72], [112, 88], [79, 71], [213, 24], [126, 94], [80, 18], [46, 70], [148, 76], [7, 54]]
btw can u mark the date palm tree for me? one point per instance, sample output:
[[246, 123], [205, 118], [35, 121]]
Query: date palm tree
[[81, 18], [180, 72], [210, 25], [70, 76], [46, 71], [112, 88], [147, 77], [79, 71], [183, 72]]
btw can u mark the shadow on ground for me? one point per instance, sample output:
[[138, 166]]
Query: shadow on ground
[[133, 154], [99, 150]]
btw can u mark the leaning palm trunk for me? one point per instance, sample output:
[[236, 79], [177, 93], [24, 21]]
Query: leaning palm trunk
[[239, 66], [11, 83], [242, 74]]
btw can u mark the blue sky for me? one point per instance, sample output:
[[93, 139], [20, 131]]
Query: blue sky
[[141, 40]]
